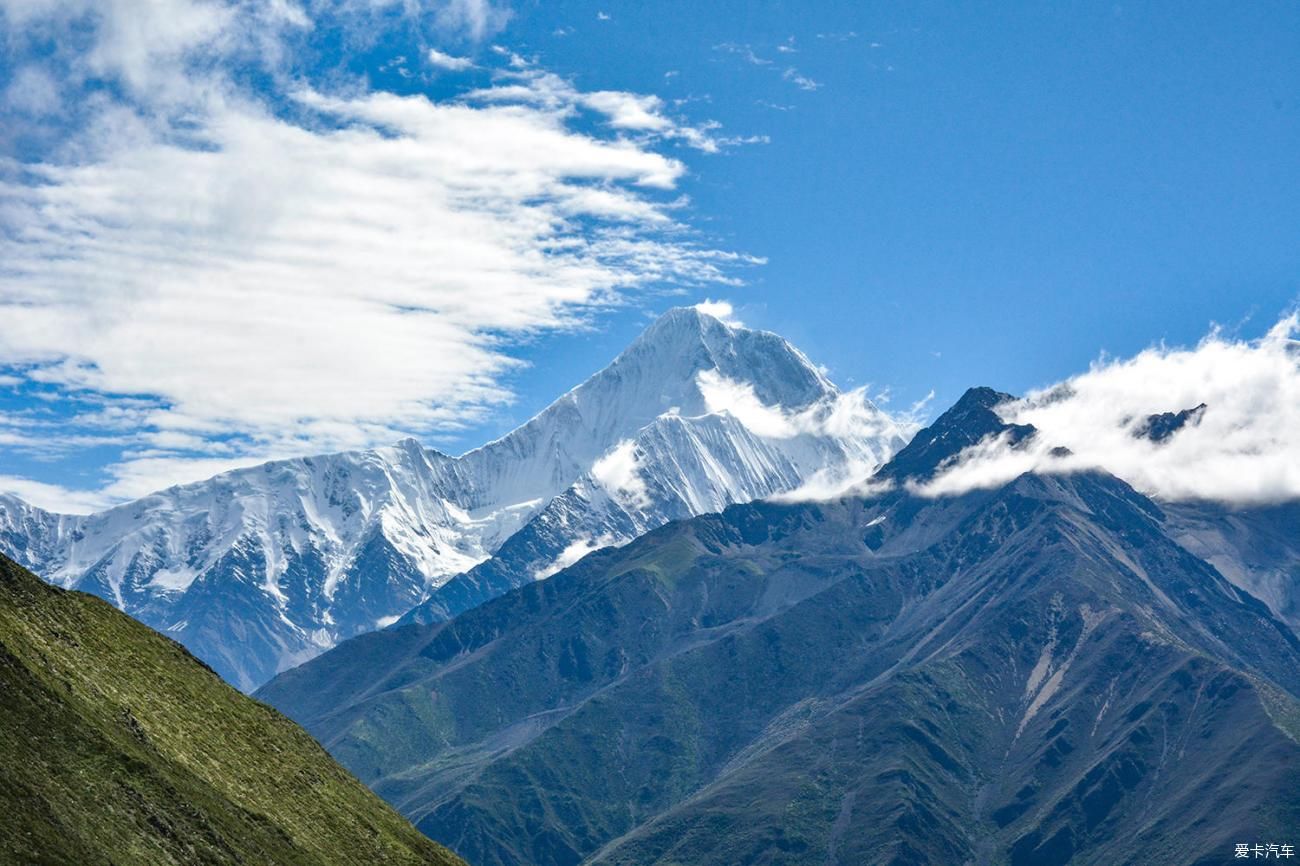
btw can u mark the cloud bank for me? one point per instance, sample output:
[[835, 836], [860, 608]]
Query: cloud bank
[[1244, 450]]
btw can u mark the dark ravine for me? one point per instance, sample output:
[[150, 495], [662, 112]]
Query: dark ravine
[[119, 747], [1037, 673]]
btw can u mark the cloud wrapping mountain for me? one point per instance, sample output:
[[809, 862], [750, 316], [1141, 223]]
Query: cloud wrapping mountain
[[1241, 448]]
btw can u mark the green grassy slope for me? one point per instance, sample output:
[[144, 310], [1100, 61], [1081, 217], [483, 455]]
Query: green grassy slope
[[117, 746]]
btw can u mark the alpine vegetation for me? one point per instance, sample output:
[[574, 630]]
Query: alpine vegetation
[[117, 746]]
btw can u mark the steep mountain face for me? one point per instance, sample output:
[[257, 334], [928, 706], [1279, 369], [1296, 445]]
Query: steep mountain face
[[117, 746], [971, 419], [30, 535], [1038, 673], [684, 467], [657, 374], [1257, 548], [259, 569]]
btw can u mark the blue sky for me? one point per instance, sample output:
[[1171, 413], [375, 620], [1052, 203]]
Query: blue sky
[[922, 198], [993, 195]]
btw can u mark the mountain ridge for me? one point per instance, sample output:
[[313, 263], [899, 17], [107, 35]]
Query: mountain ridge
[[897, 678], [261, 568]]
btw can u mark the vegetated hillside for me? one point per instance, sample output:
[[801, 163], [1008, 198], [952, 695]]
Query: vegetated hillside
[[117, 746], [1032, 674]]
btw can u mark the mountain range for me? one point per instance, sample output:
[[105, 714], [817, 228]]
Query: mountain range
[[260, 569], [654, 625], [118, 747], [1053, 670]]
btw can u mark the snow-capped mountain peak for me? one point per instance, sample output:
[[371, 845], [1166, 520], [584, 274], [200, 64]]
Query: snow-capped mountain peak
[[260, 568], [658, 373]]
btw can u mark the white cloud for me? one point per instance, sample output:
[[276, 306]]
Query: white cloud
[[282, 275], [740, 401], [448, 61], [1245, 449], [618, 472], [642, 114], [720, 310], [574, 551], [254, 282], [990, 463], [828, 485], [789, 73], [477, 18], [629, 110], [53, 497], [798, 79], [744, 51], [474, 20], [149, 48], [33, 91], [850, 415]]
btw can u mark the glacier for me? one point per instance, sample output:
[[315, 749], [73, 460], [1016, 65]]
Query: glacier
[[260, 569]]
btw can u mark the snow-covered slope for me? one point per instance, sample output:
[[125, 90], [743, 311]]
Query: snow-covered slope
[[656, 374], [30, 535], [674, 468], [259, 569]]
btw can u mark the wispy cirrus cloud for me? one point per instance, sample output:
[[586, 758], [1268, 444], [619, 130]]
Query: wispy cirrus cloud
[[745, 52], [257, 271], [798, 79], [752, 57], [641, 117]]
